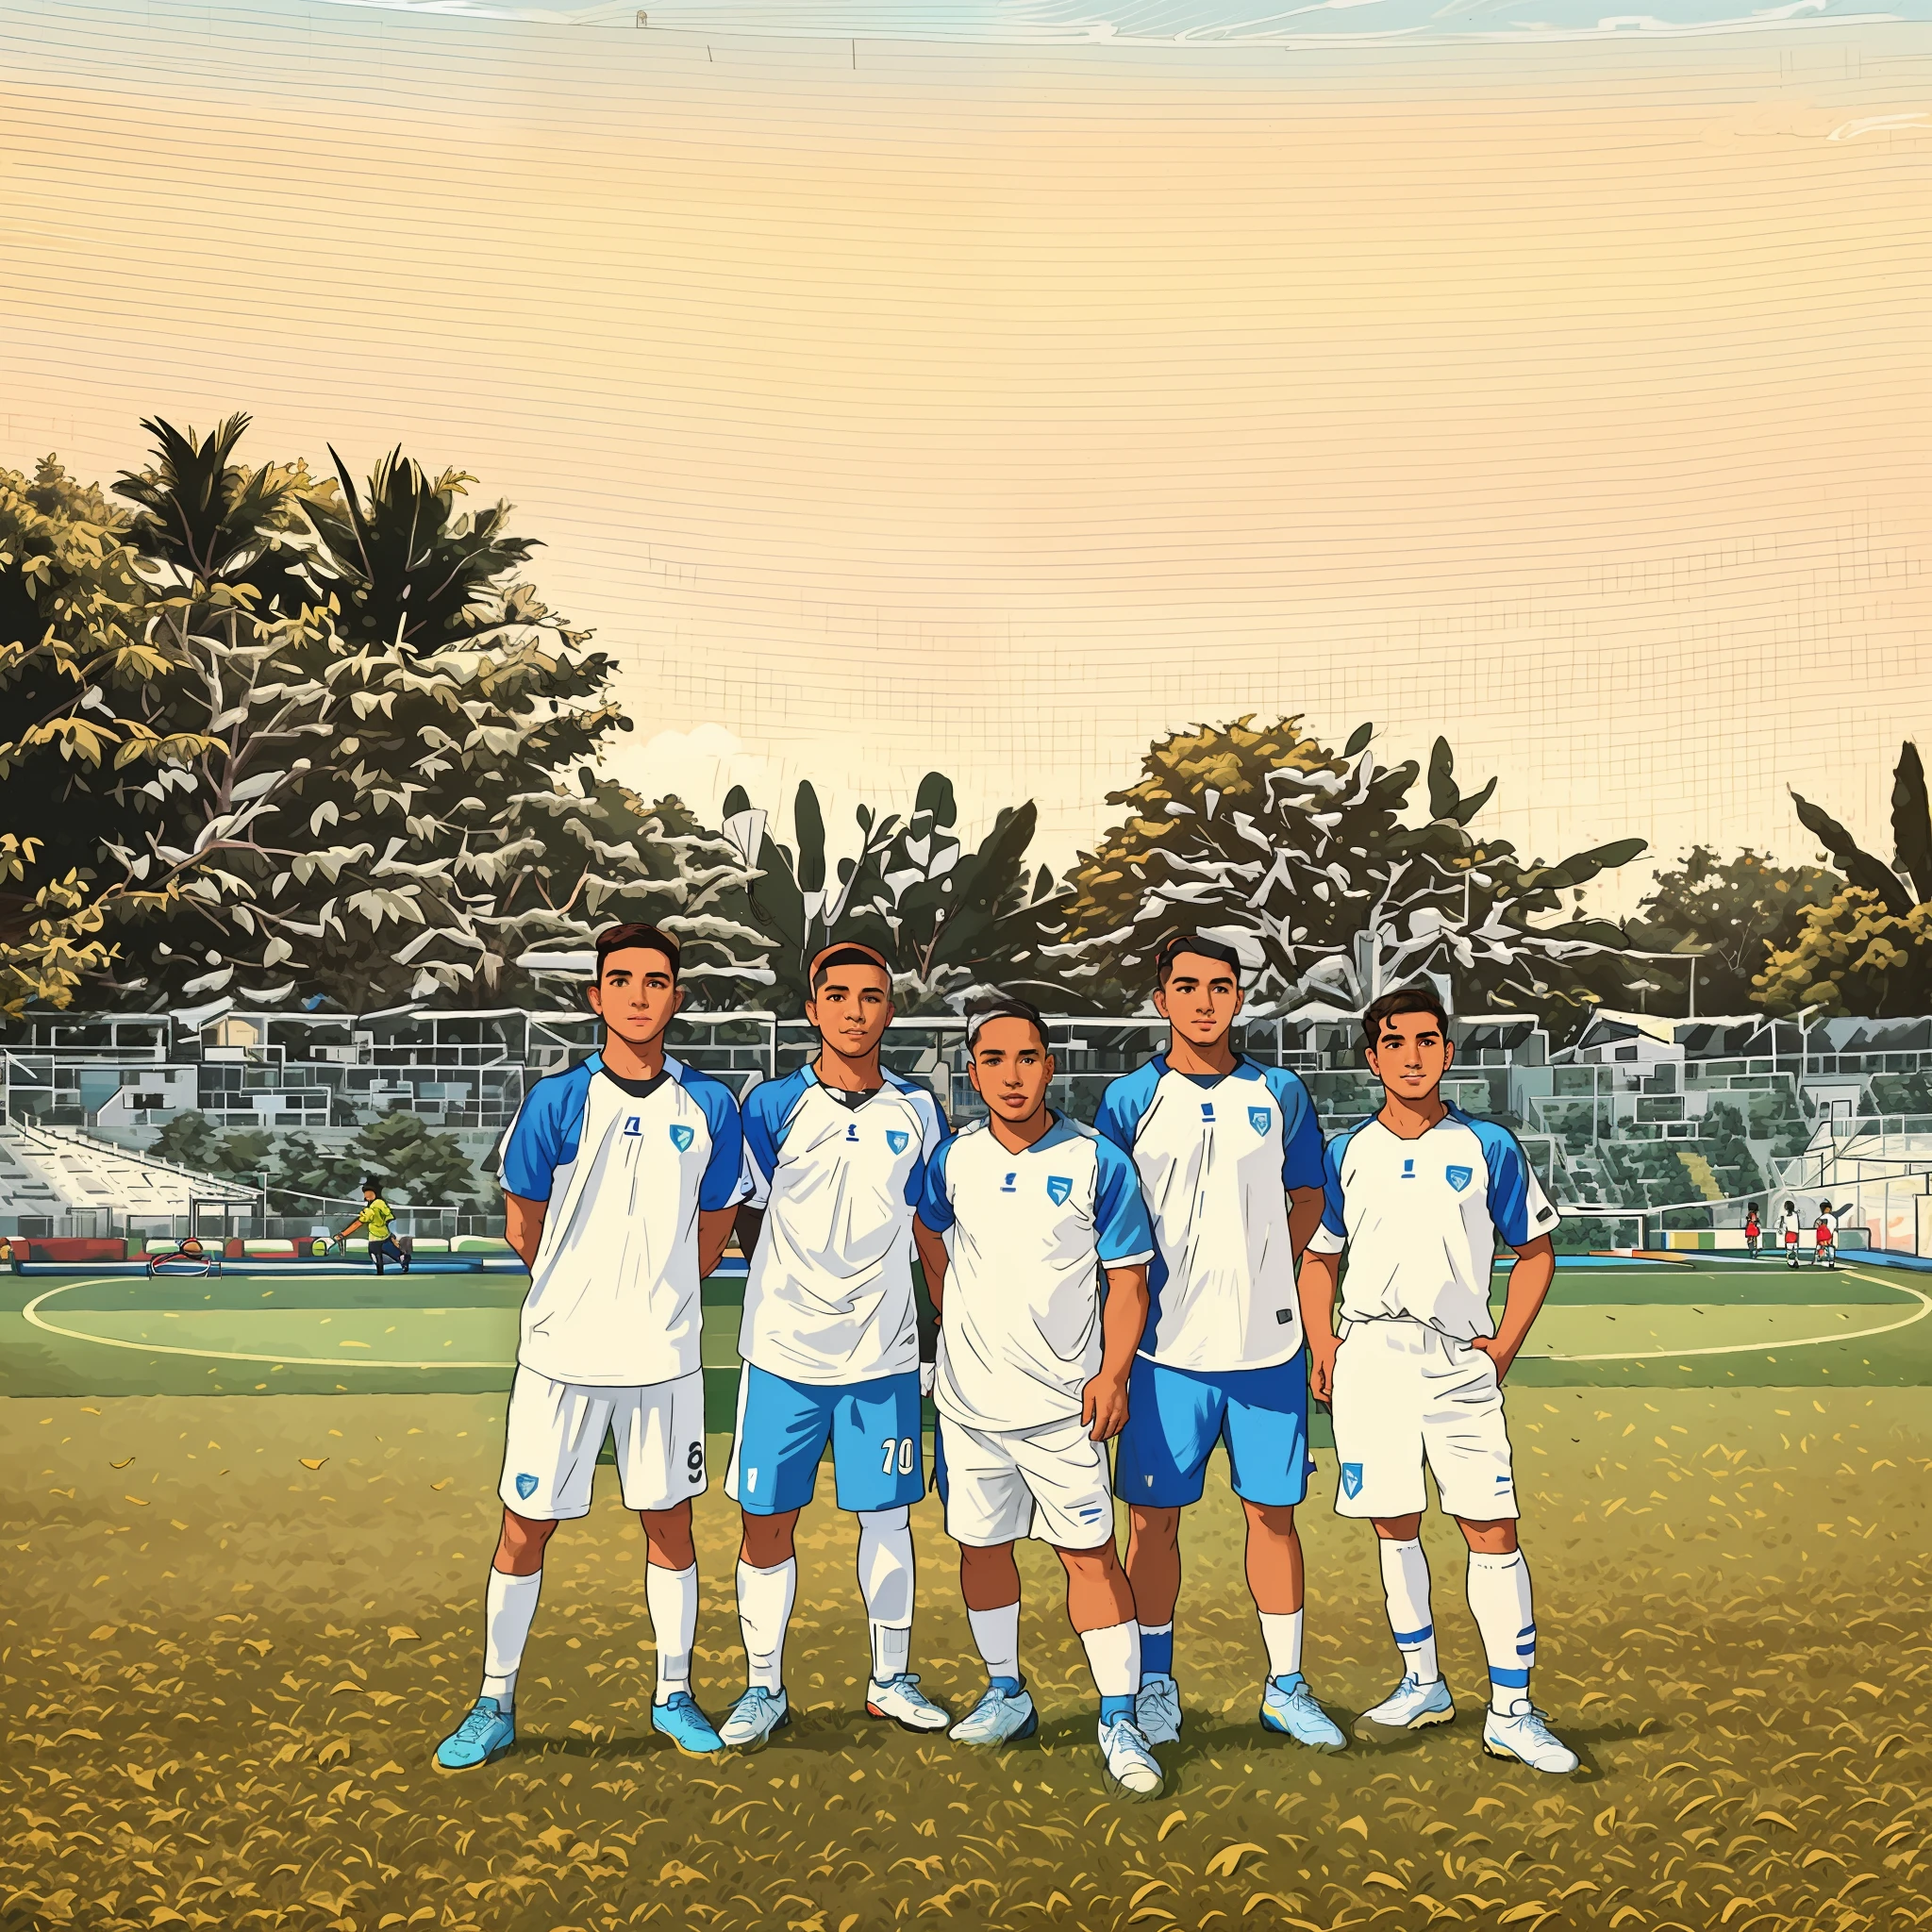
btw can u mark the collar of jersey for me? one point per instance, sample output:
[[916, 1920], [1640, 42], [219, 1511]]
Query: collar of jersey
[[1374, 1120], [891, 1078], [1243, 1069], [1062, 1130], [675, 1068]]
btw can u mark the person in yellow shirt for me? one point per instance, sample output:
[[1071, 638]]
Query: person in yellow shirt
[[380, 1218]]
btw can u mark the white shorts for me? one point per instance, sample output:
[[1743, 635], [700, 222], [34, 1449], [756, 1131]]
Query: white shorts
[[999, 1484], [555, 1431], [1407, 1394]]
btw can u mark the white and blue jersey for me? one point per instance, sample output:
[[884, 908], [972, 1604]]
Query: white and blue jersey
[[1027, 1235], [626, 1166], [829, 1298], [1420, 1219], [1216, 1156]]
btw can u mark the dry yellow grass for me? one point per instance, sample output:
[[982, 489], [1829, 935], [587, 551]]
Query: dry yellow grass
[[227, 1659]]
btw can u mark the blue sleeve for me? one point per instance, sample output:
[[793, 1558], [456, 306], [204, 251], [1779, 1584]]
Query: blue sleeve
[[761, 1123], [725, 1171], [932, 1136], [935, 1202], [543, 1135], [1124, 1104], [1508, 1169], [1332, 1203], [1304, 1165], [1123, 1232]]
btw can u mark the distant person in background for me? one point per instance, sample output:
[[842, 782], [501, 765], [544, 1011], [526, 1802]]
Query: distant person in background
[[1825, 1232], [186, 1249], [380, 1218], [1753, 1232], [1788, 1226]]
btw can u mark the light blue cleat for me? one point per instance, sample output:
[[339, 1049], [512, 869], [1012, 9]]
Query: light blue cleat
[[679, 1719], [482, 1737], [1413, 1704], [753, 1719], [1158, 1709], [1288, 1705], [1000, 1717]]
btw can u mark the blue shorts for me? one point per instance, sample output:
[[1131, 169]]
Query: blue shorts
[[1175, 1416], [783, 1427]]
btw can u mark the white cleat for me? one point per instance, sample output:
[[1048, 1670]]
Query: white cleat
[[1413, 1704], [755, 1715], [1000, 1717], [1158, 1709], [1129, 1759], [1525, 1736], [901, 1699]]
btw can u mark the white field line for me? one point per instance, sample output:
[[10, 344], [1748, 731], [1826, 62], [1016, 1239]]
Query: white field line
[[1646, 1355], [32, 1312]]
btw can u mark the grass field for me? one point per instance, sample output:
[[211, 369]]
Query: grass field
[[234, 1629]]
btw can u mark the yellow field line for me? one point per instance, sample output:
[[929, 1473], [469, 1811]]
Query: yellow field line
[[1647, 1355], [221, 1355]]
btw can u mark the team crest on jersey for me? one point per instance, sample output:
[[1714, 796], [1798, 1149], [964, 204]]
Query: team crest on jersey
[[1351, 1479], [527, 1488], [1060, 1190], [1458, 1177], [1260, 1119], [682, 1138], [896, 1140], [633, 1127]]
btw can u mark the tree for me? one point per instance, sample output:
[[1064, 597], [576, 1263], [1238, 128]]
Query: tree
[[425, 1168], [938, 912], [1729, 914], [306, 1176], [1869, 950], [1301, 859], [191, 1139], [49, 938]]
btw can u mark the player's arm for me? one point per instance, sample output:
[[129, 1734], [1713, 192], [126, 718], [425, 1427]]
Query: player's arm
[[354, 1226], [524, 1225], [1304, 1217], [1529, 1282], [1122, 1321], [933, 1262], [714, 1235], [1316, 1284], [748, 1222]]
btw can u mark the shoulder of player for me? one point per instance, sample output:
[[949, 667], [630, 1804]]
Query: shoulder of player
[[563, 1092], [1132, 1094], [774, 1100], [1496, 1141], [711, 1094]]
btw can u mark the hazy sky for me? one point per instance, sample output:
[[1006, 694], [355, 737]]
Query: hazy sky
[[885, 406]]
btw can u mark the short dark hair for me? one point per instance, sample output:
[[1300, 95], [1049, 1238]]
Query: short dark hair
[[847, 955], [1411, 999], [1217, 950], [371, 1185], [650, 938], [1005, 1008]]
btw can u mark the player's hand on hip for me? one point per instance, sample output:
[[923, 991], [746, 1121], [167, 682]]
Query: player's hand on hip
[[1500, 1357], [1103, 1406]]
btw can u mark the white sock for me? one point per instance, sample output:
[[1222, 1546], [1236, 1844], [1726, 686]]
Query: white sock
[[1499, 1601], [764, 1608], [1281, 1631], [1405, 1585], [886, 1582], [997, 1635], [509, 1604], [671, 1597], [1113, 1654]]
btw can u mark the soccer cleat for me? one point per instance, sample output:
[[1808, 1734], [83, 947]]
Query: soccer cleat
[[901, 1699], [482, 1737], [1129, 1759], [755, 1715], [1524, 1735], [1158, 1709], [679, 1719], [1288, 1705], [1000, 1717], [1413, 1704]]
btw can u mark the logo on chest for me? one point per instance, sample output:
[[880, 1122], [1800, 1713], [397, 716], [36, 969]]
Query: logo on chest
[[1458, 1177], [682, 1138], [1261, 1118], [897, 1141], [1060, 1188]]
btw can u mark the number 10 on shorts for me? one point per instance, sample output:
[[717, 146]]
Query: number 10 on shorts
[[900, 1452]]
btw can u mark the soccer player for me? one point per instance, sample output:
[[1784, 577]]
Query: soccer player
[[621, 1179], [380, 1218], [836, 1155], [1789, 1222], [1416, 1197], [1019, 1217], [1825, 1237], [1753, 1231], [1229, 1155]]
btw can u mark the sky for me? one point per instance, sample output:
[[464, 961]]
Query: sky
[[891, 405]]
